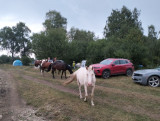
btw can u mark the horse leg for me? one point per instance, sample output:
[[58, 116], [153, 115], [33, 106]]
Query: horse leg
[[62, 74], [53, 73], [92, 94], [42, 72], [40, 68], [80, 93], [86, 93], [65, 75]]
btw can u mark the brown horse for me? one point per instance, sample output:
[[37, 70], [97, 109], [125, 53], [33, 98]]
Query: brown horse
[[37, 63], [45, 66], [61, 65]]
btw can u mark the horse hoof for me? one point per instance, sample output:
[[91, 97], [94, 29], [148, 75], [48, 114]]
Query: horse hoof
[[92, 104]]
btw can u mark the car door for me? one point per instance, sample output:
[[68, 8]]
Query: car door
[[122, 66], [116, 67]]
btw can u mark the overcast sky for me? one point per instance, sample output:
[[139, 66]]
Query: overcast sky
[[83, 14]]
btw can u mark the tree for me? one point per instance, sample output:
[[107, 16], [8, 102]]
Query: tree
[[52, 41], [79, 41], [153, 46], [22, 35], [16, 39], [96, 51], [5, 59], [26, 60], [152, 34], [125, 31], [50, 44], [54, 20], [8, 40], [80, 35], [120, 22]]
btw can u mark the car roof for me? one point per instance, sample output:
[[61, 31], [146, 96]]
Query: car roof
[[116, 59]]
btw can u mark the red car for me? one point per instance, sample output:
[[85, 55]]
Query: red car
[[113, 66]]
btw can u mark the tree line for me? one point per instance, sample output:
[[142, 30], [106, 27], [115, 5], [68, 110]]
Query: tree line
[[123, 38]]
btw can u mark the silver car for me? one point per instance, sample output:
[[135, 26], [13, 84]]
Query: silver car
[[149, 77]]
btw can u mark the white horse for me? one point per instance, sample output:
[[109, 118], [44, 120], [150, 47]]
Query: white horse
[[85, 76]]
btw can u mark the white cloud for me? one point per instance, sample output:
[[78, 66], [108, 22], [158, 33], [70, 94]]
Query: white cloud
[[35, 27], [8, 20]]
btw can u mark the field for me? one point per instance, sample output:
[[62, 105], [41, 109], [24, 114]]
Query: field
[[116, 98]]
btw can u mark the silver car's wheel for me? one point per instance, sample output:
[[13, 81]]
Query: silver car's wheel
[[154, 81]]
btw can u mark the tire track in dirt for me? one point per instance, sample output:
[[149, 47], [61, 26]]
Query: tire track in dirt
[[49, 84], [128, 108], [12, 107]]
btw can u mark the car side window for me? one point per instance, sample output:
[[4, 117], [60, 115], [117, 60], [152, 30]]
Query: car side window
[[116, 62], [126, 61], [122, 61]]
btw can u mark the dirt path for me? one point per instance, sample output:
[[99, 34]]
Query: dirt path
[[12, 107]]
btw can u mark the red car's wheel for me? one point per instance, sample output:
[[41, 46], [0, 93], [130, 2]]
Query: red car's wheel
[[129, 72], [105, 74]]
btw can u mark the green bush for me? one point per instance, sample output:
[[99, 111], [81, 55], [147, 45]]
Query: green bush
[[26, 60]]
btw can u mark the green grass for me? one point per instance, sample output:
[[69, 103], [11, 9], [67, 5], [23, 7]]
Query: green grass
[[116, 98]]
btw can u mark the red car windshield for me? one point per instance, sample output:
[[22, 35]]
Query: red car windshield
[[106, 62]]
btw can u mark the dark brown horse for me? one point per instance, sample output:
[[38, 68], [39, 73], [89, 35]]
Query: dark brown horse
[[45, 66], [61, 66]]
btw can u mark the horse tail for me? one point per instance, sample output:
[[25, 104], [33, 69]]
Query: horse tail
[[71, 79]]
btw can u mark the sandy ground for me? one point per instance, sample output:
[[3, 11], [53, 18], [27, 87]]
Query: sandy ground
[[12, 107]]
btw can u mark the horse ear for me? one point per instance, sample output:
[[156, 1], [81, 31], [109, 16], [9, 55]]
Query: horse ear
[[86, 67], [92, 68]]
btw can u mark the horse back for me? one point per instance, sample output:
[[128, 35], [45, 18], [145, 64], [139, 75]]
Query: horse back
[[46, 64], [59, 65], [81, 75]]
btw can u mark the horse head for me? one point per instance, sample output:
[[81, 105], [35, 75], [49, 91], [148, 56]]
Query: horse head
[[37, 63], [90, 76], [69, 68]]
